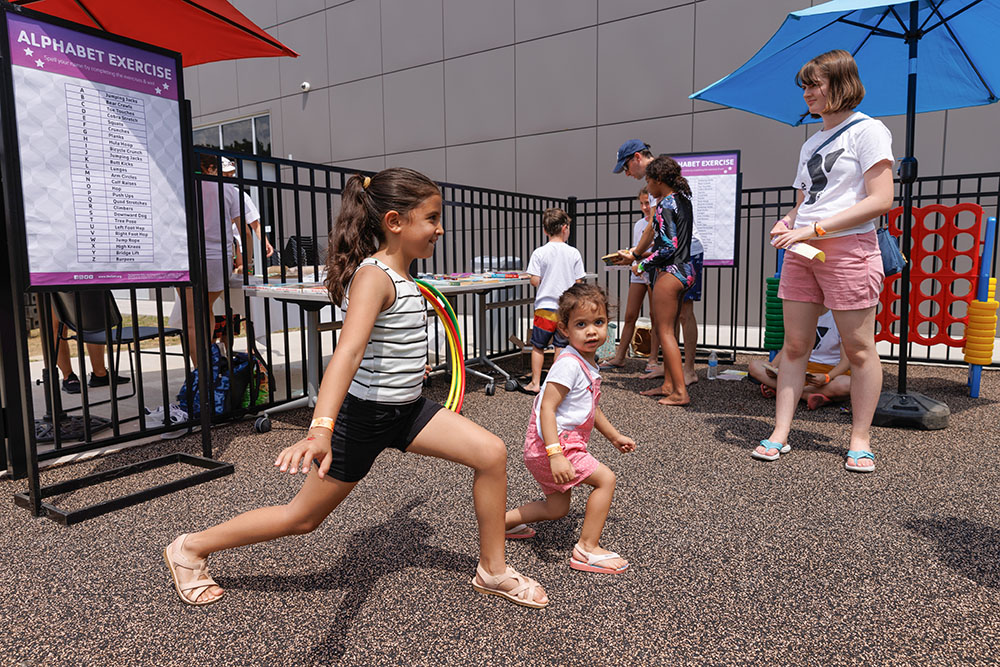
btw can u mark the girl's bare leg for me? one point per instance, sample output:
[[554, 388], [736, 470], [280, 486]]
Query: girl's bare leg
[[653, 363], [598, 506], [555, 506], [666, 302], [454, 438], [857, 333], [689, 326], [800, 335], [636, 293], [306, 511]]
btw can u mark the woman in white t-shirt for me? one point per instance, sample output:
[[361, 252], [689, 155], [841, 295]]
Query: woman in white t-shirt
[[638, 288], [844, 183]]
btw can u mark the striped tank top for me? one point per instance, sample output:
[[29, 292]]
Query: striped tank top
[[392, 370]]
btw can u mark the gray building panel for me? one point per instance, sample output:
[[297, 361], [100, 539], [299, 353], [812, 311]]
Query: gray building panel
[[309, 110], [654, 86], [477, 25], [556, 82], [534, 19], [356, 127], [412, 33], [309, 37], [431, 162], [354, 43], [462, 77], [559, 164], [257, 80], [414, 109], [488, 164], [479, 96], [217, 86]]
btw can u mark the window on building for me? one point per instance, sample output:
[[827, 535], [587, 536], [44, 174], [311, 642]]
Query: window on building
[[247, 135]]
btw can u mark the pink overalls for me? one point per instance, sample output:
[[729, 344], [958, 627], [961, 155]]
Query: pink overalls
[[574, 442]]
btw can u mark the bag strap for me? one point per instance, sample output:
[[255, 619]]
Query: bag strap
[[836, 134]]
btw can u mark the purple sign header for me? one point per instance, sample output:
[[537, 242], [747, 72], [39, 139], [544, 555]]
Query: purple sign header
[[712, 164], [49, 48], [107, 277]]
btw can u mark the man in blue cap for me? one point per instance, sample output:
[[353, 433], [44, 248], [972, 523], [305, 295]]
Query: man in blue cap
[[632, 158]]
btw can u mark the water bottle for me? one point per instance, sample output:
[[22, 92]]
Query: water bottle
[[713, 366]]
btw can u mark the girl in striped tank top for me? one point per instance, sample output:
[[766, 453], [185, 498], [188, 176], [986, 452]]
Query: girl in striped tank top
[[369, 399]]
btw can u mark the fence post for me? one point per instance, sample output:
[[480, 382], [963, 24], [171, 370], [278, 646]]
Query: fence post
[[571, 211]]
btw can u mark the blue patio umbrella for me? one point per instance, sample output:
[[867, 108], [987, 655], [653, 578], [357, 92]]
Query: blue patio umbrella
[[958, 66]]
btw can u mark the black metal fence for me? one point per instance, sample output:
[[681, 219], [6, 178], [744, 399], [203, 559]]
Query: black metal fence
[[485, 230]]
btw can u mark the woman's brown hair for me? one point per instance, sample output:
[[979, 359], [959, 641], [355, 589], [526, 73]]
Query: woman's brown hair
[[358, 231], [844, 90], [666, 170]]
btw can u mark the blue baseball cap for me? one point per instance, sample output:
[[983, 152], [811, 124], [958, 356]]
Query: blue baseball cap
[[627, 150]]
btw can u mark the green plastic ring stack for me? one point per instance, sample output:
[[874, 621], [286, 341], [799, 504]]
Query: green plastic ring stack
[[774, 323]]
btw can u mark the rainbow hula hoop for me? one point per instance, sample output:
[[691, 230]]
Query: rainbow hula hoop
[[445, 313]]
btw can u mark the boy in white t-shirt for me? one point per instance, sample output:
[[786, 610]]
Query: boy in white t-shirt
[[828, 374], [553, 268]]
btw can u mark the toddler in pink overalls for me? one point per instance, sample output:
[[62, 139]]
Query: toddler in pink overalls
[[563, 415]]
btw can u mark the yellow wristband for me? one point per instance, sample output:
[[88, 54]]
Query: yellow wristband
[[321, 422], [552, 450]]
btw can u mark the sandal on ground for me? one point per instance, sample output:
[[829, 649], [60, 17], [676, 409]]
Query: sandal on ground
[[593, 562], [197, 583], [523, 592], [816, 401], [767, 392], [608, 366], [767, 444], [857, 455], [521, 531]]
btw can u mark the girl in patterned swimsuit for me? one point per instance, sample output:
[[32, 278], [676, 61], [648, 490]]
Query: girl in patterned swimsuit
[[564, 414], [670, 236]]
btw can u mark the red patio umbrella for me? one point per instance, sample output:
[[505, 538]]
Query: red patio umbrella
[[202, 31]]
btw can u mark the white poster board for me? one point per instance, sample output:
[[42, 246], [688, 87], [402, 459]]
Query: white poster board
[[715, 195], [101, 155]]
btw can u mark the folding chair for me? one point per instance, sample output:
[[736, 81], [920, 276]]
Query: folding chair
[[98, 312]]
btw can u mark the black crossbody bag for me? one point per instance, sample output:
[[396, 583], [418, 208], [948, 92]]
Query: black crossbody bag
[[892, 258]]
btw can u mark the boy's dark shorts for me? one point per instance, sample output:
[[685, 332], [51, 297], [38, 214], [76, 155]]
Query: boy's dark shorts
[[544, 330], [364, 428], [694, 292]]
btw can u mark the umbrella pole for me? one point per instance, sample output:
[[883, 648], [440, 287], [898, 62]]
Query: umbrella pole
[[902, 408]]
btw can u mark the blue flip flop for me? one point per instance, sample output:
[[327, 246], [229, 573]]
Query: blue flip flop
[[857, 455], [767, 444]]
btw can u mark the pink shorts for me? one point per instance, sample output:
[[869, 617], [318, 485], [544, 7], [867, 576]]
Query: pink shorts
[[574, 449], [849, 279]]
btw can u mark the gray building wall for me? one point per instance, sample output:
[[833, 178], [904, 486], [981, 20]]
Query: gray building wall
[[530, 95]]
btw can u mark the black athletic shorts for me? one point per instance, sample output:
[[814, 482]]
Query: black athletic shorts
[[364, 428]]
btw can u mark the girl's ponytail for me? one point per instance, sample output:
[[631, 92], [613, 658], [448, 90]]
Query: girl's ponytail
[[356, 234], [358, 231]]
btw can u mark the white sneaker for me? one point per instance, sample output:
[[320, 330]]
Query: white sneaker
[[177, 415]]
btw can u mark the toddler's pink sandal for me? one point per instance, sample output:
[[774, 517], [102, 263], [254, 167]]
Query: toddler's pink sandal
[[521, 531], [593, 562]]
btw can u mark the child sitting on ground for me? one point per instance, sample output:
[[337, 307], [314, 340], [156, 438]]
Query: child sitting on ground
[[563, 416], [553, 268], [828, 375]]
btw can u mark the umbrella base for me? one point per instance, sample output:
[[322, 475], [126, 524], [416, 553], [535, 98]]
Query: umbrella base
[[911, 410]]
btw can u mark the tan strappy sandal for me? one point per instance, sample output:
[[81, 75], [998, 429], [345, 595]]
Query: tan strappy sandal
[[523, 593], [198, 583]]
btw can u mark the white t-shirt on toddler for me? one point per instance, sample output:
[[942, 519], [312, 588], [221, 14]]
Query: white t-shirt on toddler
[[834, 180], [575, 408], [559, 265]]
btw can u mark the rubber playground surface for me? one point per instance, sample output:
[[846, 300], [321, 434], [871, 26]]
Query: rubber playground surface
[[733, 561]]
